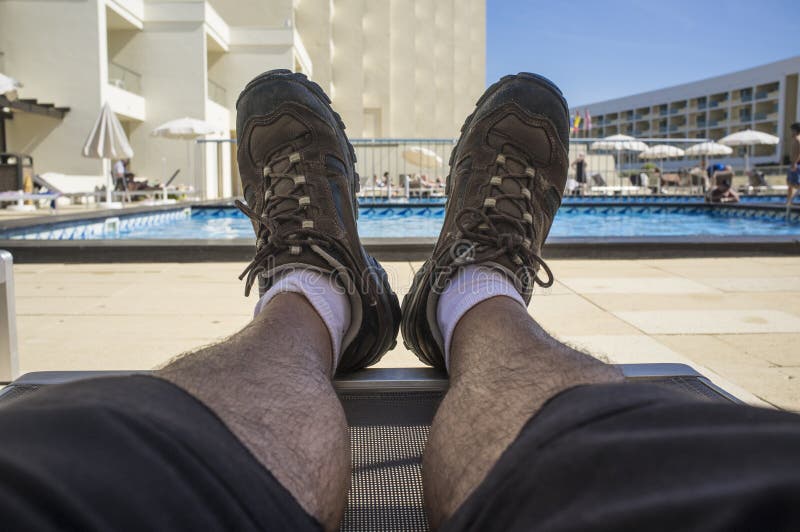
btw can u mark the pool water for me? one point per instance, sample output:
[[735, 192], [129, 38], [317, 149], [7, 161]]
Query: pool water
[[409, 221], [405, 222]]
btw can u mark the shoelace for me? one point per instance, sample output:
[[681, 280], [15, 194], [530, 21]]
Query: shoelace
[[480, 225], [270, 239]]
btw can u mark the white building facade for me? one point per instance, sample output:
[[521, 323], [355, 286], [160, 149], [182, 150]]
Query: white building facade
[[764, 98], [393, 68]]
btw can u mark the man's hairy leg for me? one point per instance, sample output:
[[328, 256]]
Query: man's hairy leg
[[503, 367], [271, 385]]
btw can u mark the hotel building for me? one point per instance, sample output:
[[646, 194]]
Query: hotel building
[[764, 98], [393, 68]]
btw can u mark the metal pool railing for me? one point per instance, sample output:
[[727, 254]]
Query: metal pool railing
[[413, 167], [408, 168]]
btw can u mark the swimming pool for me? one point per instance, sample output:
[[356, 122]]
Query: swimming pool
[[590, 220]]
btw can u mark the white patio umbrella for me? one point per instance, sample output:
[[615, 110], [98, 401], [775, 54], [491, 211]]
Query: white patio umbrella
[[107, 140], [618, 143], [9, 86], [422, 157], [187, 129], [660, 152], [749, 138], [708, 148]]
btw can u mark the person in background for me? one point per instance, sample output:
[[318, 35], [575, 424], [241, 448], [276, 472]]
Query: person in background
[[581, 169], [793, 177], [723, 186], [119, 172], [712, 169]]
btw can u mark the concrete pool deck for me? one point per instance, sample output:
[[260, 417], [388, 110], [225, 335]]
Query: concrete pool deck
[[735, 319]]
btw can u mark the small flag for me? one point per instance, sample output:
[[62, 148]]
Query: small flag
[[577, 123], [588, 121]]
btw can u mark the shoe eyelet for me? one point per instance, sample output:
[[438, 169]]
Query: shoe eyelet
[[489, 202], [501, 159], [308, 224], [304, 201], [294, 158], [299, 180], [526, 192], [530, 171], [526, 242], [267, 195], [527, 217], [496, 180], [295, 250]]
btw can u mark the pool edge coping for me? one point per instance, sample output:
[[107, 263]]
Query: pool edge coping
[[393, 249]]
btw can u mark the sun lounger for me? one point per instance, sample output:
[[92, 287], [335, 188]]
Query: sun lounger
[[390, 411], [78, 187]]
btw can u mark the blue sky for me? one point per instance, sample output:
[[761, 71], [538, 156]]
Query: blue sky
[[601, 49]]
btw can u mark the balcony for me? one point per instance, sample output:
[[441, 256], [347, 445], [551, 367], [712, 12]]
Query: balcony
[[766, 116], [767, 95], [124, 92], [124, 78], [217, 93]]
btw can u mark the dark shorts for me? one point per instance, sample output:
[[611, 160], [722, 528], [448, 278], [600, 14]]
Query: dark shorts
[[137, 453], [793, 178], [131, 453]]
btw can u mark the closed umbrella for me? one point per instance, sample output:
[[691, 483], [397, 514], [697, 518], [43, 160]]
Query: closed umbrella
[[749, 138], [619, 143], [187, 129], [660, 152], [107, 140], [9, 86]]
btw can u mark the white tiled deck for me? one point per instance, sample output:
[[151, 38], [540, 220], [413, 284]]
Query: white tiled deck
[[737, 320]]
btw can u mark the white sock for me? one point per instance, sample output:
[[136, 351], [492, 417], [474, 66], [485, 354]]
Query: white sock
[[326, 296], [470, 286]]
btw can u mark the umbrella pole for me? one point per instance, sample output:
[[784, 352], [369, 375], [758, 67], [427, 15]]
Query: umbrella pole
[[189, 165], [747, 160], [109, 184], [660, 176]]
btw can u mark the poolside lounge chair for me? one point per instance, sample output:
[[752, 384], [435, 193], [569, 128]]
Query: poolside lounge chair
[[79, 187], [756, 182], [390, 411], [598, 180]]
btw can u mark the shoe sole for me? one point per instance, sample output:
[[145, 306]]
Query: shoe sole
[[423, 345], [367, 348]]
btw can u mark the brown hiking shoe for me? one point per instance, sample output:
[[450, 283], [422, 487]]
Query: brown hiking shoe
[[300, 187], [507, 175]]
